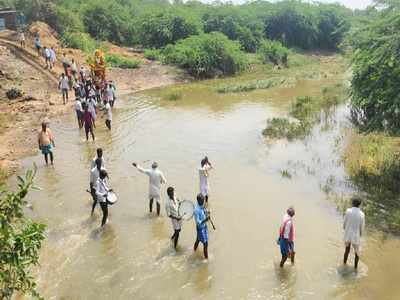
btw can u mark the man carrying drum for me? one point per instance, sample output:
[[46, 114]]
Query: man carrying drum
[[172, 209]]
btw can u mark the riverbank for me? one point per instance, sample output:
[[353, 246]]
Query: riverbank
[[23, 69]]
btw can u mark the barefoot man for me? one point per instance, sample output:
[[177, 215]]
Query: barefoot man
[[156, 178], [354, 223], [46, 142], [286, 237], [201, 218], [204, 173], [172, 208]]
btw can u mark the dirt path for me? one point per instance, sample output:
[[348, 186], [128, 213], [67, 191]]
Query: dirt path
[[23, 69]]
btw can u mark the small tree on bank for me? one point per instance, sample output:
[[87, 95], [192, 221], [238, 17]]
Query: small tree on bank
[[20, 241]]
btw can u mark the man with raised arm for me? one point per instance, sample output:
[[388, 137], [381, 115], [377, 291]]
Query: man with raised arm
[[156, 178]]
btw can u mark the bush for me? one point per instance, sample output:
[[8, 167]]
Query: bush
[[152, 54], [250, 85], [79, 40], [207, 55], [273, 52], [118, 61], [20, 242], [279, 128], [159, 30]]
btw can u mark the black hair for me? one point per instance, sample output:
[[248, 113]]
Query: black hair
[[200, 199], [170, 190], [356, 201], [103, 174], [99, 150]]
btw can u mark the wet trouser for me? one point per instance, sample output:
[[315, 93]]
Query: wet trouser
[[108, 124], [175, 237], [94, 197], [104, 208]]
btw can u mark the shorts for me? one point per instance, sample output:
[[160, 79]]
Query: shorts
[[88, 128], [47, 59], [202, 234], [355, 247], [204, 191], [46, 149], [38, 47], [286, 247]]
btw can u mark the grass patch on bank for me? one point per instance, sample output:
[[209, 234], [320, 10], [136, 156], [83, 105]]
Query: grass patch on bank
[[306, 112], [118, 61]]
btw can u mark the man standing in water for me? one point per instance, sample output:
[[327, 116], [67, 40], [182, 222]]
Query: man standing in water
[[201, 218], [204, 172], [102, 190], [172, 208], [156, 178], [87, 121], [354, 223], [99, 154], [286, 237], [46, 142], [94, 176]]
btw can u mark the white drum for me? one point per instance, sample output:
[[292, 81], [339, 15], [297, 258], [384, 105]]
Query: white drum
[[111, 198]]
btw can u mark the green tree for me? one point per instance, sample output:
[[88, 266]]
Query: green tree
[[20, 242]]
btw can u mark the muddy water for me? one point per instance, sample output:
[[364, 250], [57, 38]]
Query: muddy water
[[132, 257]]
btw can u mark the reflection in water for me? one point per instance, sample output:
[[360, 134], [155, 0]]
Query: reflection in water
[[132, 258]]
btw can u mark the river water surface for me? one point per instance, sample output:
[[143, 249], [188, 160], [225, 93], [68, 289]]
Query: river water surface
[[132, 258]]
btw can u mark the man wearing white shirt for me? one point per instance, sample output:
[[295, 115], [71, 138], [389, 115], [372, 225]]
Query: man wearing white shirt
[[172, 209], [204, 173], [79, 111], [94, 175], [353, 225], [156, 178], [102, 190], [63, 85]]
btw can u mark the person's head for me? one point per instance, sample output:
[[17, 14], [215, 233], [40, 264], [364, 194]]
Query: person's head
[[98, 163], [45, 47], [154, 165], [203, 162], [62, 75], [200, 199], [64, 54], [170, 192], [103, 174], [356, 201], [290, 211], [99, 152], [44, 126], [73, 60]]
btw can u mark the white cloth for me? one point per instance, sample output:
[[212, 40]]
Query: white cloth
[[92, 108], [108, 112], [354, 223], [102, 190], [172, 209], [203, 175], [78, 106], [110, 94], [64, 83], [47, 53], [156, 178], [94, 175], [53, 56], [74, 68]]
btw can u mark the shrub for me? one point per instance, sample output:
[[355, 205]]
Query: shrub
[[118, 61], [273, 52], [278, 128], [250, 85], [20, 242], [152, 54], [207, 55], [79, 40], [159, 30]]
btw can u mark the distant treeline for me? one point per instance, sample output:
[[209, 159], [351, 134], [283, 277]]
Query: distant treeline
[[154, 24]]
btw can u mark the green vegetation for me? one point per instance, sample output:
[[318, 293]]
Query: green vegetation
[[273, 52], [152, 54], [252, 85], [79, 40], [118, 61], [376, 68], [207, 55], [20, 242], [306, 111]]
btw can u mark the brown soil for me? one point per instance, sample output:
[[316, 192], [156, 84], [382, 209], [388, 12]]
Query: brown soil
[[23, 69]]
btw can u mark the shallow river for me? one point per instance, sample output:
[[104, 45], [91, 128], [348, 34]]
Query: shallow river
[[132, 258]]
